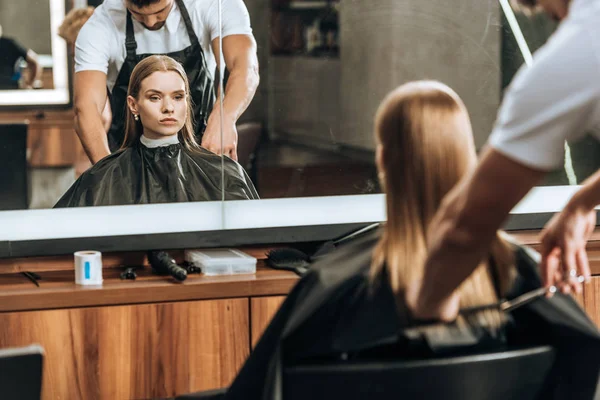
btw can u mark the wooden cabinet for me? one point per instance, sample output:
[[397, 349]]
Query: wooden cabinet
[[135, 351], [591, 299], [51, 139], [262, 310]]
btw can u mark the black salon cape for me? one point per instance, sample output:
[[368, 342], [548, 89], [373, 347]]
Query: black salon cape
[[330, 312], [167, 174]]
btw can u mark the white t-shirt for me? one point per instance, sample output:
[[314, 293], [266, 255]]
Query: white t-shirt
[[100, 44], [557, 98]]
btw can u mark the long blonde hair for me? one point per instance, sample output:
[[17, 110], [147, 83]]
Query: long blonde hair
[[146, 67], [425, 146]]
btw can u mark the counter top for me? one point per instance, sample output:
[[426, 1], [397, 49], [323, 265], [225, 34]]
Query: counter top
[[58, 289]]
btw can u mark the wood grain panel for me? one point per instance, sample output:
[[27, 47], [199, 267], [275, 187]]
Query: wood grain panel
[[51, 139], [109, 260], [591, 297], [58, 289], [143, 351], [262, 310]]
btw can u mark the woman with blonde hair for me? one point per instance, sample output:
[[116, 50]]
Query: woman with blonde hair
[[350, 305], [159, 160]]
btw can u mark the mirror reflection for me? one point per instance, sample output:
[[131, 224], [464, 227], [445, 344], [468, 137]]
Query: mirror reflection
[[33, 62], [326, 65], [25, 54], [146, 128], [160, 160]]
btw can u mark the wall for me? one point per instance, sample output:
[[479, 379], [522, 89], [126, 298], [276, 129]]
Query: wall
[[27, 21], [394, 42]]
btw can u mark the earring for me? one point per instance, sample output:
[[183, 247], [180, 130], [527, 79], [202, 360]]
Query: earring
[[136, 117]]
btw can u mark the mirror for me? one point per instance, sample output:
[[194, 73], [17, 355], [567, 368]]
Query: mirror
[[52, 162], [526, 34], [34, 68], [326, 65], [468, 44]]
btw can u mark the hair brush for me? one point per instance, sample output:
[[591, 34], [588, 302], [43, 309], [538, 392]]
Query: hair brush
[[291, 259]]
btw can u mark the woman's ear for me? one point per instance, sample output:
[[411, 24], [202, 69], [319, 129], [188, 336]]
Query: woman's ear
[[132, 104]]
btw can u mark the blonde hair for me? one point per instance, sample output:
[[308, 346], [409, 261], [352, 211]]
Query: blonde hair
[[425, 146], [146, 67], [73, 22]]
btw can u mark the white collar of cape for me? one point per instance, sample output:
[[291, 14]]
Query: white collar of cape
[[165, 141]]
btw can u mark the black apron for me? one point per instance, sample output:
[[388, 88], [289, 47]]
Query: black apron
[[193, 61]]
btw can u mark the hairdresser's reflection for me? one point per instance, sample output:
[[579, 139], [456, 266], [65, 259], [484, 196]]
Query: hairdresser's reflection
[[353, 300], [11, 52], [160, 160]]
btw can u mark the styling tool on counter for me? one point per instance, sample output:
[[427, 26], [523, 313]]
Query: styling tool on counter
[[88, 267], [129, 273], [221, 261], [291, 259], [191, 268], [33, 277], [163, 264]]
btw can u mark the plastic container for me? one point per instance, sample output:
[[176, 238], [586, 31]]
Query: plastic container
[[221, 261]]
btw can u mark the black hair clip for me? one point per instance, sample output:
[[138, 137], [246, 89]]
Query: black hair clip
[[191, 268], [129, 273], [33, 277]]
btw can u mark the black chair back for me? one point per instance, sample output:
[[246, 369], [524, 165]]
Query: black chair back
[[13, 167], [516, 375], [21, 373]]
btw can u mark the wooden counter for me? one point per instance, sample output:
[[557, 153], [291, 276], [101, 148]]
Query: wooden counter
[[155, 337], [148, 338]]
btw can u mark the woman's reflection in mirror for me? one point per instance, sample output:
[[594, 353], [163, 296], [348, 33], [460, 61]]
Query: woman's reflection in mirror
[[160, 160]]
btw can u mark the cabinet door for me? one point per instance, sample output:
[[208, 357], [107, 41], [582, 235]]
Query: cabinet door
[[139, 351], [262, 310], [591, 299]]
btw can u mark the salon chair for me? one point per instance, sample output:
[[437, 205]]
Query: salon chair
[[21, 373], [13, 167], [517, 375], [249, 135]]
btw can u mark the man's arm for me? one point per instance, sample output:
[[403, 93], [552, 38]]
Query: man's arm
[[239, 52], [89, 101], [463, 229], [35, 70]]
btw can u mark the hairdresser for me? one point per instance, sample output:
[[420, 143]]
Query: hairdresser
[[121, 33], [556, 99]]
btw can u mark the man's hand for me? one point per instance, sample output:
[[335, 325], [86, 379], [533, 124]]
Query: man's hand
[[239, 53], [211, 140], [564, 240]]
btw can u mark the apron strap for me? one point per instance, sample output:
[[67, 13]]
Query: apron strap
[[188, 23], [130, 43]]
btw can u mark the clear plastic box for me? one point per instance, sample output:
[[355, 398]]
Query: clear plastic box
[[221, 261]]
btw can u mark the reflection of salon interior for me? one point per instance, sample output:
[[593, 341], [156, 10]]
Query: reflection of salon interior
[[169, 301], [306, 150], [39, 150]]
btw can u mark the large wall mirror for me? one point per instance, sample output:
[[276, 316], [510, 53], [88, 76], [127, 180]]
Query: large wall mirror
[[326, 65], [30, 42], [306, 140]]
